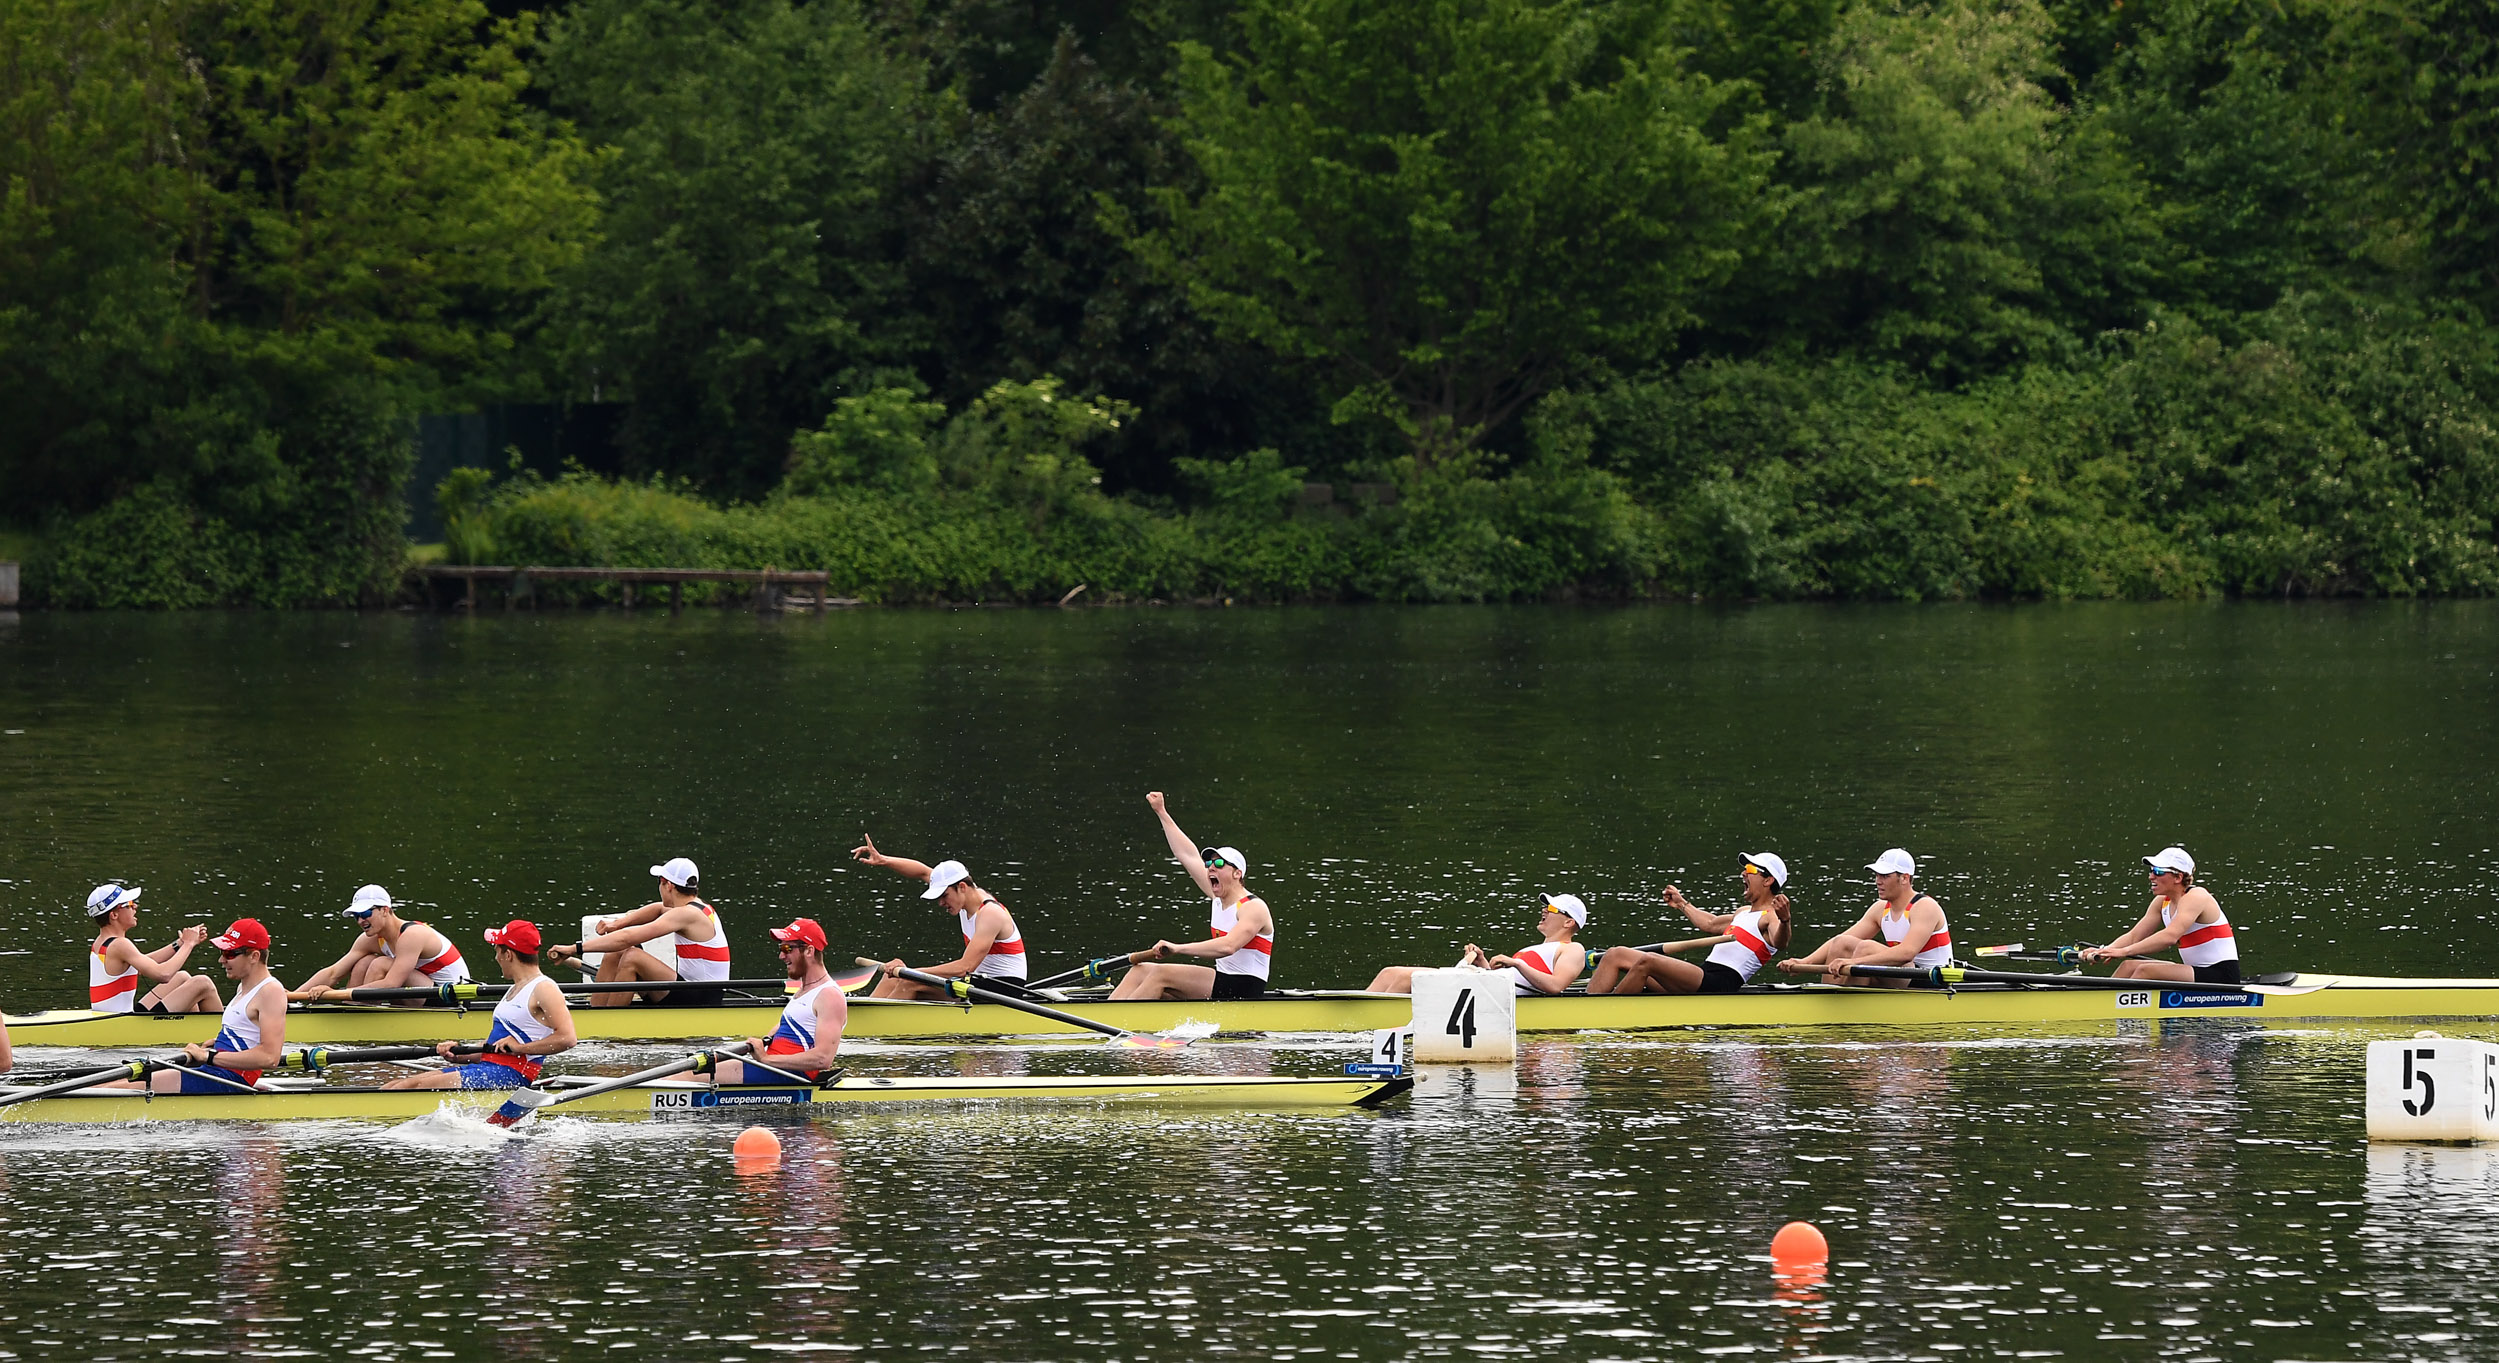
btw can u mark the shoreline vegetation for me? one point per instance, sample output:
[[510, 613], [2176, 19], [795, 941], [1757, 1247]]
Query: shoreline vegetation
[[1820, 299]]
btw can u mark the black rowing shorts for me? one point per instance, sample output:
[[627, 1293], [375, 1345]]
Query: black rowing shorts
[[1230, 987], [1717, 978], [2225, 973]]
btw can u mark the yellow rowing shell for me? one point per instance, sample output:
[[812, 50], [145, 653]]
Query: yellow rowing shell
[[2305, 998], [680, 1098]]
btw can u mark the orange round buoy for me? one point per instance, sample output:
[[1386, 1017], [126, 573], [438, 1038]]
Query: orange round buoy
[[756, 1143], [1798, 1245]]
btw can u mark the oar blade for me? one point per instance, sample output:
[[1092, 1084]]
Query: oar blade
[[858, 978], [517, 1108]]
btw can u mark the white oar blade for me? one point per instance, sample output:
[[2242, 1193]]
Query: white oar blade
[[517, 1108]]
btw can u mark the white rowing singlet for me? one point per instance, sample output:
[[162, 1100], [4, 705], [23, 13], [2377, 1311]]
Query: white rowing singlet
[[1258, 956]]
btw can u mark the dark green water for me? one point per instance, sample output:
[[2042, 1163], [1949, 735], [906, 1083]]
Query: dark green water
[[1402, 781]]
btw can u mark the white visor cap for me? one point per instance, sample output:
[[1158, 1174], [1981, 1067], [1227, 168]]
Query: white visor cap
[[2171, 859], [944, 876], [1769, 861], [1895, 862], [105, 898], [368, 899], [1569, 906], [1231, 857], [679, 871]]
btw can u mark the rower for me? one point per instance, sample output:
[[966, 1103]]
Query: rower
[[115, 965], [1242, 949], [679, 914], [531, 1022], [993, 947], [250, 1036], [2183, 914], [810, 1032], [1900, 928], [1548, 967], [390, 952], [1745, 940]]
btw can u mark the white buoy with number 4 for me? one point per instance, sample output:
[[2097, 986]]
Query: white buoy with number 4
[[2433, 1088], [1464, 1015]]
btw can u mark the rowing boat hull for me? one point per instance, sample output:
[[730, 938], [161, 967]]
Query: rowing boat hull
[[337, 1103], [2310, 998]]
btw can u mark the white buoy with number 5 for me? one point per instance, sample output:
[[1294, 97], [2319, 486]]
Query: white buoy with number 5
[[2433, 1088], [1464, 1015]]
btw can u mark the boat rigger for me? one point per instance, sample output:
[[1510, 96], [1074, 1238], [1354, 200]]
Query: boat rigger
[[2295, 998]]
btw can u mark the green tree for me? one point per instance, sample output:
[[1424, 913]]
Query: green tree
[[1451, 206], [749, 271], [2423, 76]]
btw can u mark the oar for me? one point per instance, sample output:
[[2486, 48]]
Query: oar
[[2018, 952], [1092, 972], [128, 1069], [523, 1102], [1949, 975], [323, 1057], [965, 989]]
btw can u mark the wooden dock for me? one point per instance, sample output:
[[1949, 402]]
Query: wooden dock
[[772, 586]]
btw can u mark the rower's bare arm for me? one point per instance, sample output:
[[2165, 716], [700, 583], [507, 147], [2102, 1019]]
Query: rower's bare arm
[[648, 913], [987, 927], [174, 953], [1701, 918], [1181, 848], [2127, 943], [150, 964], [557, 1015], [269, 1010], [1245, 930], [343, 968], [657, 926], [832, 1015], [866, 854]]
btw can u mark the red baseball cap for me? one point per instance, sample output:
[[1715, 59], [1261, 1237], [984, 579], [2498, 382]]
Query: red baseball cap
[[801, 930], [246, 935], [520, 934]]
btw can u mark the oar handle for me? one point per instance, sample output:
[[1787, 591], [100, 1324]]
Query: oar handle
[[964, 989], [1093, 971]]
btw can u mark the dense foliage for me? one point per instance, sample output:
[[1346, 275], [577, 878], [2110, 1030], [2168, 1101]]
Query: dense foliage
[[960, 300]]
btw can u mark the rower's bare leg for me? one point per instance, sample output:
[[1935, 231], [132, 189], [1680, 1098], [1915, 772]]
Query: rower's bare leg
[[625, 967], [1167, 982], [1397, 979], [431, 1079], [185, 993], [895, 987], [2139, 969], [1852, 948], [1661, 974], [1611, 966]]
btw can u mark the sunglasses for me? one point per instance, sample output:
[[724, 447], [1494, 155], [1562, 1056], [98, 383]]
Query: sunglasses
[[791, 946], [1751, 869], [2159, 871]]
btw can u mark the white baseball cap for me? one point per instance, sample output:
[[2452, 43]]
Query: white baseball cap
[[368, 899], [1769, 861], [679, 872], [1569, 906], [2171, 859], [1231, 857], [1895, 862], [944, 876], [110, 895]]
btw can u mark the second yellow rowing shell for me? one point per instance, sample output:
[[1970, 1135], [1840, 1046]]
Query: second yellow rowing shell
[[2302, 999], [677, 1097]]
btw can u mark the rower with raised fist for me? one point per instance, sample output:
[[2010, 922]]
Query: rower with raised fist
[[1239, 956], [680, 914], [1740, 943]]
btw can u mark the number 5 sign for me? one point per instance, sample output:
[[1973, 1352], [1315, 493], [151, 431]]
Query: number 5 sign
[[2433, 1088]]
